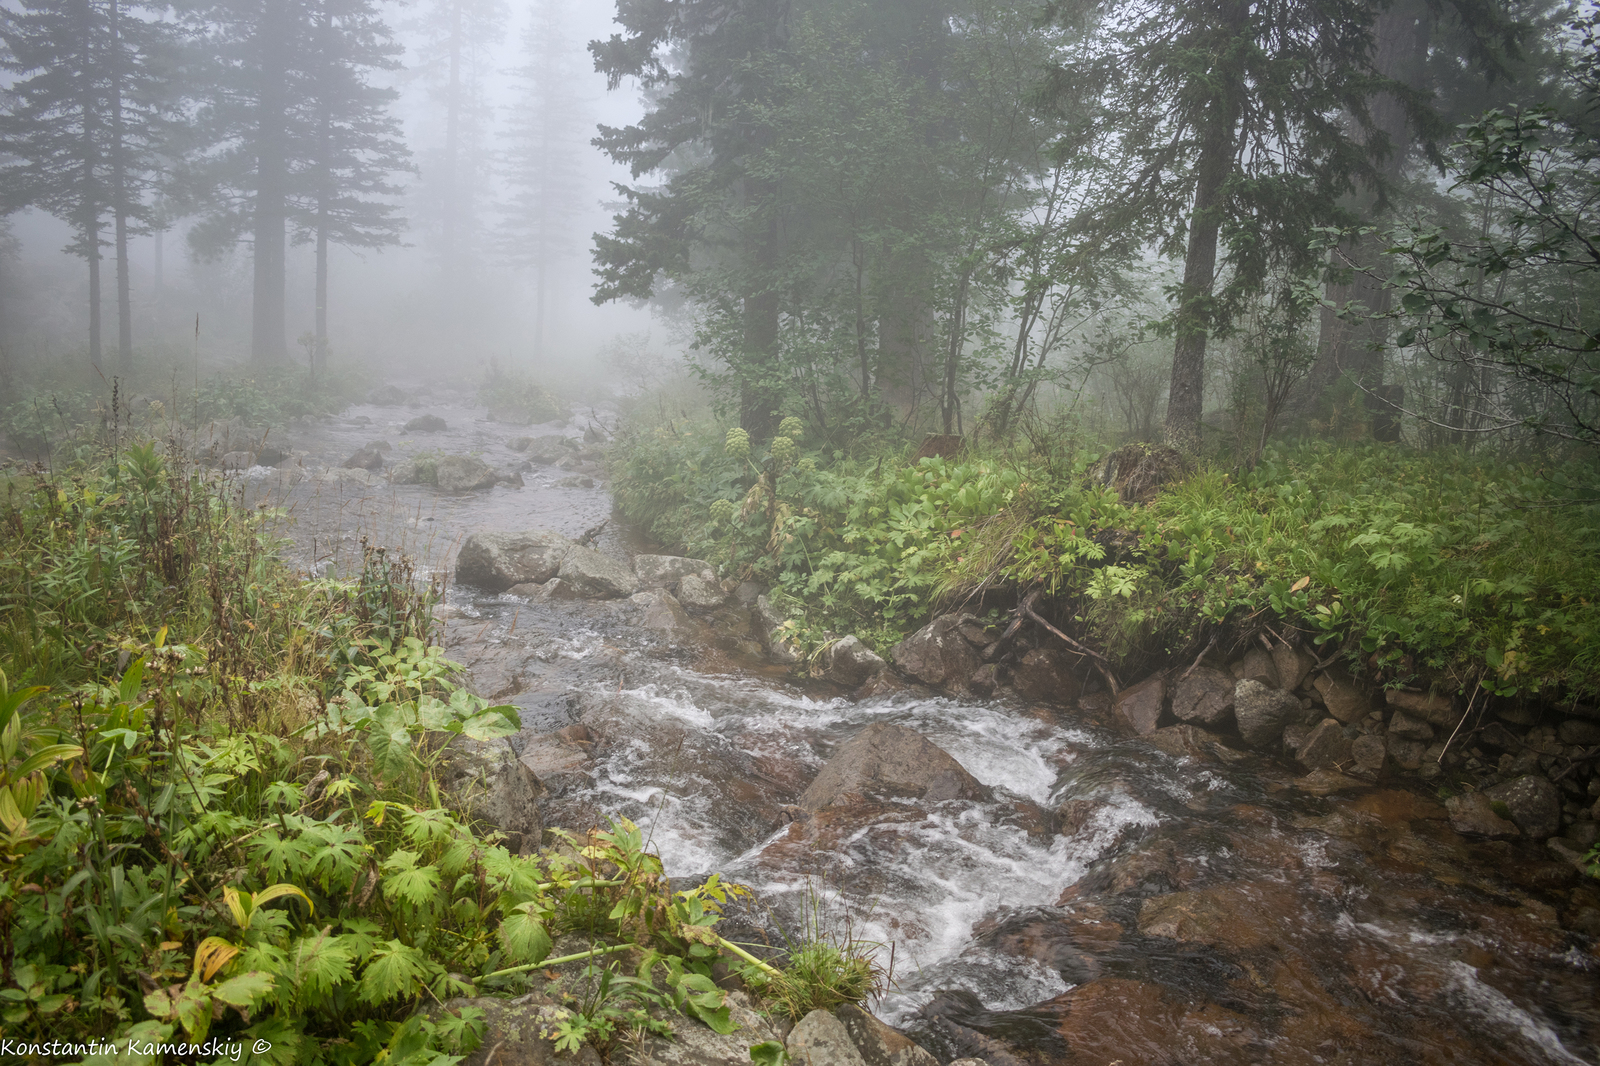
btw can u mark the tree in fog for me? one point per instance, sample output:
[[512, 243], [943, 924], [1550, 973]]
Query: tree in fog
[[695, 58], [455, 169], [547, 136], [1237, 126], [352, 145], [295, 137], [81, 124]]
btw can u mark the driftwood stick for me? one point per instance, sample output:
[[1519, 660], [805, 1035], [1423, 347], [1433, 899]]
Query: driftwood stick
[[1100, 663], [1198, 659]]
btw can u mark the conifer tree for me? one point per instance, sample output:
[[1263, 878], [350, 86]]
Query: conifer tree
[[548, 135], [81, 125], [352, 146]]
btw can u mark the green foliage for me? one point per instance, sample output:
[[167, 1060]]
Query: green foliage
[[514, 392], [820, 976], [1443, 562]]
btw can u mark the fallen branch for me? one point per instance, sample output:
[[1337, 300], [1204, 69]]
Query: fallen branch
[[1100, 663], [1198, 659]]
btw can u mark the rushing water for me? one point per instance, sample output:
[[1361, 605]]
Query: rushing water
[[1109, 903]]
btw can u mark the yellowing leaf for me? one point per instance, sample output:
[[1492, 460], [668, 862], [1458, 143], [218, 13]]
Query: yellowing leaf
[[212, 955], [1298, 585]]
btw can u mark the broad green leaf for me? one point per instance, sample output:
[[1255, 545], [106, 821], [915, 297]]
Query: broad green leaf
[[524, 938], [244, 990]]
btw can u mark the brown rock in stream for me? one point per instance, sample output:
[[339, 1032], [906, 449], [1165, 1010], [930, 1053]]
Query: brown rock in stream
[[1205, 697], [893, 761], [1139, 706]]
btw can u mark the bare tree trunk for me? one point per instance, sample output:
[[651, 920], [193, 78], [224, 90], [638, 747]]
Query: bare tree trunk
[[268, 342], [1193, 319]]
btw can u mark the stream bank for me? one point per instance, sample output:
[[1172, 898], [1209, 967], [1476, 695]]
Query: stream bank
[[1103, 895]]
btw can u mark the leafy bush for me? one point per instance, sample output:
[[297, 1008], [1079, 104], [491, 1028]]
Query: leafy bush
[[515, 392]]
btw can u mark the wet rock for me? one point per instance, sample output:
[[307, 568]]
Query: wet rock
[[773, 624], [700, 594], [426, 424], [1407, 754], [663, 611], [1139, 706], [890, 760], [496, 560], [559, 763], [1472, 814], [1328, 782], [1578, 731], [387, 396], [1293, 666], [937, 654], [486, 783], [1404, 725], [1325, 747], [1258, 664], [664, 571], [1430, 707], [554, 589], [462, 473], [984, 680], [694, 1044], [1221, 915], [820, 1039], [1346, 699], [245, 460], [1204, 697], [1047, 676], [511, 1032], [850, 662], [367, 458], [879, 1043], [1369, 753], [597, 576], [1533, 802], [271, 455], [1262, 712], [1195, 743]]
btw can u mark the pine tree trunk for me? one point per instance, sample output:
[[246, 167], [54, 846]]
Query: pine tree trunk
[[319, 351], [1192, 323], [452, 145], [268, 342], [119, 196], [91, 236]]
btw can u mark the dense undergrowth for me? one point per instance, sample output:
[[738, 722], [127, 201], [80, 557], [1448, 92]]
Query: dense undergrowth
[[221, 817], [1445, 565]]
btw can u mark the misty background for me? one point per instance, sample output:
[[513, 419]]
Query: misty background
[[462, 283]]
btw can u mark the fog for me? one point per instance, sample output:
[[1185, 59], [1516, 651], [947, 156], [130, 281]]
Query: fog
[[409, 308]]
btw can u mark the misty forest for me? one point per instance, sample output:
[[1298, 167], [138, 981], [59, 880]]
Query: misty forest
[[800, 532]]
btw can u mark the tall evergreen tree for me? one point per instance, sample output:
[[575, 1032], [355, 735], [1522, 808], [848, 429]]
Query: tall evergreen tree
[[1242, 130], [548, 135], [255, 110], [352, 146], [82, 122], [695, 57], [456, 169]]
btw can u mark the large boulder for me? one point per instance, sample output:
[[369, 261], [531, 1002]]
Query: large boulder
[[1325, 747], [427, 424], [1262, 712], [1473, 814], [514, 1032], [597, 576], [820, 1039], [485, 782], [700, 593], [1204, 697], [1292, 665], [938, 653], [1140, 705], [1347, 699], [496, 560], [694, 1044], [890, 761], [663, 611], [1048, 676], [463, 473], [1533, 802], [560, 763], [850, 662], [664, 571], [879, 1043], [1402, 724], [387, 396]]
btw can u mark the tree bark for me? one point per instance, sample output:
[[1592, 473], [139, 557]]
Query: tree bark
[[1193, 320], [268, 343], [119, 196]]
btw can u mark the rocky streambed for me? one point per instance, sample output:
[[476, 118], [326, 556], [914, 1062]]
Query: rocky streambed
[[1197, 869]]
